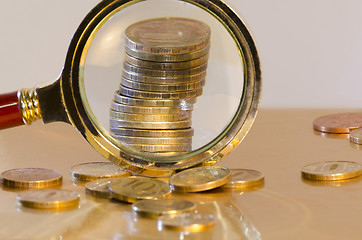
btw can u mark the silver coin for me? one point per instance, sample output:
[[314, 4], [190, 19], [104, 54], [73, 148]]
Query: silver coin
[[116, 123], [160, 148], [146, 110], [164, 80], [185, 115], [162, 87], [160, 95], [355, 136], [186, 104], [153, 140], [189, 132]]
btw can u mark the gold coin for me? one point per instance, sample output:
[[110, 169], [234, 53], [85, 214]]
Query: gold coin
[[160, 207], [332, 170], [167, 57], [99, 188], [164, 80], [132, 189], [200, 179], [160, 95], [168, 35], [188, 222], [162, 87], [116, 123], [166, 65], [160, 148], [189, 132], [31, 178], [242, 178], [153, 140], [146, 110], [48, 198], [186, 104], [356, 136], [185, 115], [97, 170]]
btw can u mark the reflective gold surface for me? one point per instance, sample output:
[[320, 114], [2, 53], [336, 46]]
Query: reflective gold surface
[[279, 144]]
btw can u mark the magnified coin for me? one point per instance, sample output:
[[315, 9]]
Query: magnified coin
[[96, 170], [188, 132], [186, 104], [173, 117], [159, 207], [132, 189], [146, 110], [99, 188], [356, 136], [338, 123], [190, 222], [48, 198], [153, 140], [243, 178], [117, 123], [164, 80], [160, 148], [153, 87], [333, 170], [31, 178], [200, 179]]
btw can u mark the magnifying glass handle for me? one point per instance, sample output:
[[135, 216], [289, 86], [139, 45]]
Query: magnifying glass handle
[[10, 112]]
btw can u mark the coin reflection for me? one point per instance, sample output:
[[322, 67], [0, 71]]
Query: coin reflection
[[338, 183]]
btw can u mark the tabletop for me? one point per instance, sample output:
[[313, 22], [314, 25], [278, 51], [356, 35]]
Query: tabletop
[[279, 144]]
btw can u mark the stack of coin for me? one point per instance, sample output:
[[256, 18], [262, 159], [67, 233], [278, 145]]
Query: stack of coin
[[164, 71]]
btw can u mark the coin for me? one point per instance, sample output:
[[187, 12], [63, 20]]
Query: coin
[[159, 207], [356, 136], [242, 178], [200, 179], [189, 132], [332, 170], [97, 170], [99, 188], [189, 222], [48, 198], [116, 123], [146, 110], [184, 115], [160, 95], [168, 35], [163, 87], [160, 148], [132, 189], [338, 123], [186, 104], [164, 80], [153, 140], [166, 65], [31, 178]]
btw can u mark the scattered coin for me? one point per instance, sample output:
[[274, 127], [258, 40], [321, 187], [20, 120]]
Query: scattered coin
[[48, 198], [132, 189], [356, 136], [332, 170], [159, 207], [338, 123], [243, 178], [31, 178], [188, 222], [200, 179], [99, 188], [96, 170]]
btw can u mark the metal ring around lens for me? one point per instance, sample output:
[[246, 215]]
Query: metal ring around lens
[[79, 113]]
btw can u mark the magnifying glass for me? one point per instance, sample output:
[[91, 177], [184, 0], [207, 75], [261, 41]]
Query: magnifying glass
[[151, 128]]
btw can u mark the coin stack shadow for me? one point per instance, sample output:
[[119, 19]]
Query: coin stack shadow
[[164, 71]]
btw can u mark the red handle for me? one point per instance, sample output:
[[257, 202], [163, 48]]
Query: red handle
[[10, 113]]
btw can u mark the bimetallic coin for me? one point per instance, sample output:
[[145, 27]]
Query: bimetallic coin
[[338, 123], [243, 178], [99, 188], [186, 104], [160, 207], [160, 148], [166, 65], [169, 80], [168, 36], [116, 123], [132, 189], [97, 170], [200, 179], [48, 198], [163, 87], [160, 95], [185, 115], [356, 136], [146, 110], [188, 222], [31, 178], [189, 132], [333, 170], [153, 140]]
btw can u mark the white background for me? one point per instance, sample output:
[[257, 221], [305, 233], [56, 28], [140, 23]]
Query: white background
[[311, 51]]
